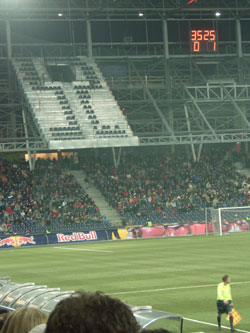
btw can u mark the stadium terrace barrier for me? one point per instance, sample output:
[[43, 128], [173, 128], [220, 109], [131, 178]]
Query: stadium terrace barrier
[[187, 229]]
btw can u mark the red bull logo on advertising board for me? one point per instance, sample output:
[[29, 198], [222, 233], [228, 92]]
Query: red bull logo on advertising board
[[76, 237], [17, 241]]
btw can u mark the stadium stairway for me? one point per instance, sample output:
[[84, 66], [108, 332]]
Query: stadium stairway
[[105, 209], [72, 104]]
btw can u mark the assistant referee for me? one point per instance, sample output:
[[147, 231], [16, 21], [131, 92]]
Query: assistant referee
[[224, 301]]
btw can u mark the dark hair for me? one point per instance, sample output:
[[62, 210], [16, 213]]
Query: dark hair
[[86, 312], [225, 277]]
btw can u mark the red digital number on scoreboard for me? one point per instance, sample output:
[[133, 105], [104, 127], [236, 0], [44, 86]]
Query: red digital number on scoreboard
[[203, 40]]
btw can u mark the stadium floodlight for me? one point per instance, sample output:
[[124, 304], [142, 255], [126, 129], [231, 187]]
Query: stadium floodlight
[[141, 14], [218, 14], [60, 14]]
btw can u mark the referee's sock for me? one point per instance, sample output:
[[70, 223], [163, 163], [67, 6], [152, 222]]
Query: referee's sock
[[219, 320], [231, 322]]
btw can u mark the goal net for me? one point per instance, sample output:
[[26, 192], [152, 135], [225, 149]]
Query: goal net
[[228, 220]]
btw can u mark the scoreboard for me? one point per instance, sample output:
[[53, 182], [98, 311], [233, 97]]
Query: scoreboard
[[203, 41]]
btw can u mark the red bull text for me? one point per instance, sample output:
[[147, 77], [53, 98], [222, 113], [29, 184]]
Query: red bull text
[[76, 237]]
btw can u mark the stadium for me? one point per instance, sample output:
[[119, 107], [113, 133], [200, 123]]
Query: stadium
[[124, 165]]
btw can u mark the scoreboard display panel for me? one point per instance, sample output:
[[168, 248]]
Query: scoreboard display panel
[[203, 41], [208, 37]]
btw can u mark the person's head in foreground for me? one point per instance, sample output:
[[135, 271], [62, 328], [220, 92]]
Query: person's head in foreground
[[226, 279], [87, 312], [23, 320]]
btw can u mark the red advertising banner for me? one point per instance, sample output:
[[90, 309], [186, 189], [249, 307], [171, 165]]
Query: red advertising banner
[[186, 229]]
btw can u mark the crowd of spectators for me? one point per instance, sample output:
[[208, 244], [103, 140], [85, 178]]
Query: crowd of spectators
[[162, 186], [57, 191], [157, 187], [83, 312], [48, 197], [15, 194]]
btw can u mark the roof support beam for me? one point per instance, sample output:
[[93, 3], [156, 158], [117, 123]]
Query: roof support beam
[[200, 112], [157, 109], [189, 130], [236, 106], [196, 139]]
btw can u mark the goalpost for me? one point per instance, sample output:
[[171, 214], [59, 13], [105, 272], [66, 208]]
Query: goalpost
[[227, 220]]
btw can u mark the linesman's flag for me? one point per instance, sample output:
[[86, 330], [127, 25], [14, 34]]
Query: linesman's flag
[[236, 316]]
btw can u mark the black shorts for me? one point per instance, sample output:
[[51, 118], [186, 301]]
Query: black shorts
[[224, 308]]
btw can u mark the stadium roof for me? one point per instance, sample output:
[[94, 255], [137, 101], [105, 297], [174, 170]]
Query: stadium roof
[[81, 9], [133, 56]]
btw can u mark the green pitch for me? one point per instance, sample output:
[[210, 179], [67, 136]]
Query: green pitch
[[174, 274]]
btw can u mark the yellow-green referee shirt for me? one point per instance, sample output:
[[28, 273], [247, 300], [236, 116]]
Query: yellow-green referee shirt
[[224, 292]]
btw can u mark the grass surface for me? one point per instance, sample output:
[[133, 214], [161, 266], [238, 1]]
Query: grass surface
[[145, 272]]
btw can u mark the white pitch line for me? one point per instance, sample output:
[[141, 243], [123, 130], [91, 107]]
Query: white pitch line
[[71, 249], [214, 325], [171, 288]]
